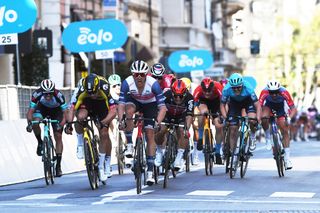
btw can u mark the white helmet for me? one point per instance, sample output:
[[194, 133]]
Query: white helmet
[[47, 86], [157, 70], [139, 66], [114, 79], [273, 85]]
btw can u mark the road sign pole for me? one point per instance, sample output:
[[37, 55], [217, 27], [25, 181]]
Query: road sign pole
[[18, 64], [104, 68], [89, 63], [113, 67]]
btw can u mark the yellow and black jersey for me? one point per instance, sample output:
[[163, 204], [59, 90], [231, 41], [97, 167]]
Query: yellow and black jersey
[[101, 94]]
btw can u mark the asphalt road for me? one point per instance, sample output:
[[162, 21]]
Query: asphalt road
[[260, 191]]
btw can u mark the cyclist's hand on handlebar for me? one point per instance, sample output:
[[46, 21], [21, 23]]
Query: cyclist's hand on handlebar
[[68, 129], [29, 126]]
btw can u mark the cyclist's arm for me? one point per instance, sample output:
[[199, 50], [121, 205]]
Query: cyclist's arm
[[111, 115], [223, 103], [122, 99], [258, 108]]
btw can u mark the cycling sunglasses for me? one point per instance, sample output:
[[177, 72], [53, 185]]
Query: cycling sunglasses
[[276, 92], [115, 85], [237, 88], [178, 96], [136, 75]]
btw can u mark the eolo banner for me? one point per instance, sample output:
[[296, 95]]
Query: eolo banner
[[17, 16], [90, 36], [189, 60]]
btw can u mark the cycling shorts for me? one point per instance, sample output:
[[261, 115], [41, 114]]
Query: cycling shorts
[[235, 108], [95, 108], [213, 105], [277, 107], [54, 113]]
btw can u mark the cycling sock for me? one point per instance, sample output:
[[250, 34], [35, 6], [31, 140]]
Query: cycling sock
[[159, 149], [267, 132], [39, 138], [80, 139], [102, 156], [107, 159], [218, 147], [200, 132], [287, 152], [129, 137], [59, 156], [150, 162]]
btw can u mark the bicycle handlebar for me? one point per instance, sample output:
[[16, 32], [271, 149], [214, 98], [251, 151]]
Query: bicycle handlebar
[[45, 121], [172, 124]]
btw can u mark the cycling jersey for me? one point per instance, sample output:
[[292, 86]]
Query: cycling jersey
[[57, 100], [181, 110], [151, 92], [246, 92], [283, 96], [215, 94], [101, 95]]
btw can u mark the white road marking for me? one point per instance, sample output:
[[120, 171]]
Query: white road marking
[[43, 196], [210, 193], [112, 195], [293, 194]]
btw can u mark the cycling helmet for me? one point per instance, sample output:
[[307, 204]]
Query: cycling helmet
[[236, 80], [114, 79], [187, 82], [47, 86], [91, 83], [171, 77], [179, 88], [157, 70], [139, 66], [273, 85], [207, 84]]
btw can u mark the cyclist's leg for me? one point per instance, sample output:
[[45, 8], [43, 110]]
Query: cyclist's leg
[[284, 128], [235, 109], [150, 111], [57, 132], [37, 116], [160, 138], [214, 107], [182, 146], [252, 113], [81, 114], [131, 108], [195, 138], [266, 110]]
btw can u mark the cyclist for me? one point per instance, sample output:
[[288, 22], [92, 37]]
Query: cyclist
[[93, 99], [48, 101], [238, 95], [157, 71], [179, 103], [207, 99], [273, 98], [142, 93], [115, 84], [187, 82]]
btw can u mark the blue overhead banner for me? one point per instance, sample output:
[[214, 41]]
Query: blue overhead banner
[[251, 80], [110, 3], [17, 16], [189, 60], [89, 36]]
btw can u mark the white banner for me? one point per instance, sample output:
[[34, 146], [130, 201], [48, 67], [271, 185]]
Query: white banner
[[104, 54], [8, 39]]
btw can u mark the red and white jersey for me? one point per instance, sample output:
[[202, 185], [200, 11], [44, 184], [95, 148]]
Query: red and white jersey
[[284, 95], [216, 93]]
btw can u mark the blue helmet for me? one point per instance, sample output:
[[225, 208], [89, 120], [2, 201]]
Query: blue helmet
[[235, 80]]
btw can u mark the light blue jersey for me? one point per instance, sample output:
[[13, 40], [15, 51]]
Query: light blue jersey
[[247, 91]]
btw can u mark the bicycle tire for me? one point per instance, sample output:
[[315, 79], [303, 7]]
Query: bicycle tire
[[52, 158], [234, 162], [137, 165], [156, 174], [208, 152], [187, 159], [167, 161], [120, 155], [46, 161], [89, 161], [278, 155], [245, 156], [226, 151]]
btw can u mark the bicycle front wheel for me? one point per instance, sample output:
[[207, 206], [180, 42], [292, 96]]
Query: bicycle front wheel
[[278, 154], [46, 160], [234, 161], [90, 164], [120, 154], [245, 156], [52, 157], [208, 149], [137, 165], [167, 162], [226, 151]]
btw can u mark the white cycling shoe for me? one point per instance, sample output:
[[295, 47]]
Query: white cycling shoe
[[80, 152], [150, 179], [158, 160], [129, 151]]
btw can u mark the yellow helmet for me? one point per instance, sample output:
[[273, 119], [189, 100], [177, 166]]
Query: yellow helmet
[[187, 82]]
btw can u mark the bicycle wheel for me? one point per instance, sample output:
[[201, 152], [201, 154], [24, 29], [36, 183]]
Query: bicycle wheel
[[226, 151], [208, 152], [120, 154], [278, 155], [94, 145], [234, 160], [167, 161], [187, 159], [137, 165], [46, 160], [89, 160], [52, 157], [245, 156]]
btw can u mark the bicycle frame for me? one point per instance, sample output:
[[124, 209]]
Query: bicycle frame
[[48, 155]]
